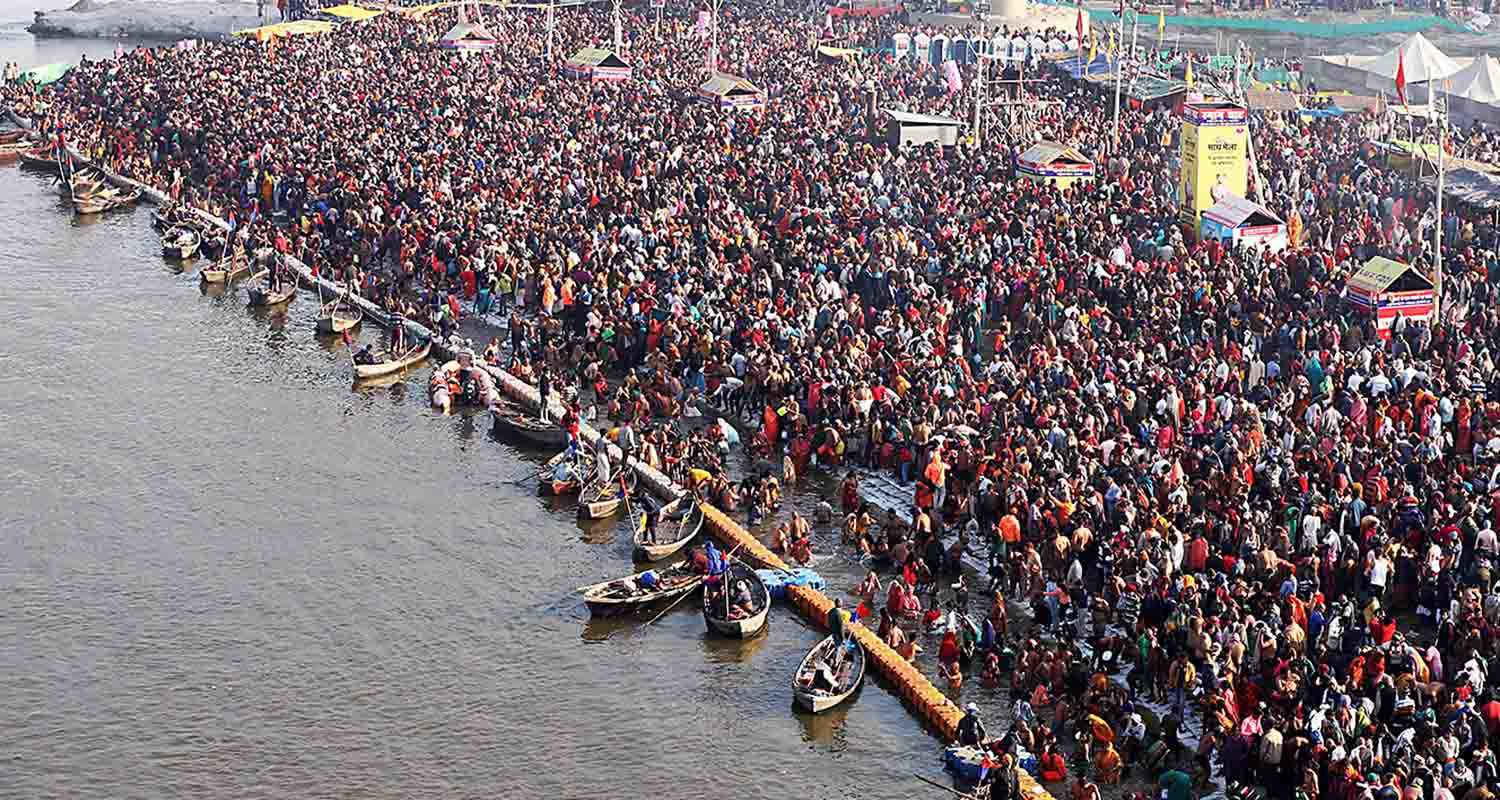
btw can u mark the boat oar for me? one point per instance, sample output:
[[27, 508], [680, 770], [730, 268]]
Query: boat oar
[[955, 792], [668, 608]]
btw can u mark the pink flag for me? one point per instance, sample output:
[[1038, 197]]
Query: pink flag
[[950, 71]]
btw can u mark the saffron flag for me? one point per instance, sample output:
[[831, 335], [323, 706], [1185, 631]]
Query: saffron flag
[[1161, 22], [1187, 77], [950, 71], [1401, 77]]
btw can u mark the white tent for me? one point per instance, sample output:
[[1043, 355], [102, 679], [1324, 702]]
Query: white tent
[[1421, 59], [1480, 81]]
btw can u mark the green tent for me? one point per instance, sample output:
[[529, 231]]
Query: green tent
[[46, 73]]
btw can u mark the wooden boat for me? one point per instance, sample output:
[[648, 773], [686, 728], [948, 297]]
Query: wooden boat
[[170, 219], [86, 183], [600, 500], [181, 243], [677, 524], [452, 385], [818, 685], [413, 356], [38, 158], [512, 421], [213, 245], [717, 600], [262, 296], [562, 476], [228, 269], [99, 203], [13, 150], [337, 316], [13, 136], [623, 595]]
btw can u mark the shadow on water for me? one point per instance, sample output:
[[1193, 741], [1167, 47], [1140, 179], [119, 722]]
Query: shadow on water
[[830, 728], [724, 650], [598, 531]]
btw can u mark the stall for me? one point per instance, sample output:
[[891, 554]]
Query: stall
[[351, 13], [1389, 289], [1235, 220], [467, 36], [596, 64], [905, 128], [730, 91], [1057, 164], [301, 27]]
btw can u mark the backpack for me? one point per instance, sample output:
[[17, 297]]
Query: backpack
[[1270, 747]]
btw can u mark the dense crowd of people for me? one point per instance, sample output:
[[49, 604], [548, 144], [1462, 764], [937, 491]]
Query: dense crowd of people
[[1267, 510]]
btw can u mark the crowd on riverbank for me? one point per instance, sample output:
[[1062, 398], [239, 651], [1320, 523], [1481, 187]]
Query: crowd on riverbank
[[1202, 457]]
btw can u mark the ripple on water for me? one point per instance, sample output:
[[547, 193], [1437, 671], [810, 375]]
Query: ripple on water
[[231, 575]]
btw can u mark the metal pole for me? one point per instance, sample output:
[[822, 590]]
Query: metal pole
[[1135, 32], [551, 25], [979, 89], [713, 41], [1119, 74], [619, 36], [1437, 233]]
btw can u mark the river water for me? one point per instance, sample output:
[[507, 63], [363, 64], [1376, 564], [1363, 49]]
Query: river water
[[227, 574]]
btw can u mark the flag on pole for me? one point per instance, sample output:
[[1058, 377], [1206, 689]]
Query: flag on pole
[[1161, 22], [1401, 76], [1079, 26], [1111, 48], [1093, 51], [950, 71], [1187, 77]]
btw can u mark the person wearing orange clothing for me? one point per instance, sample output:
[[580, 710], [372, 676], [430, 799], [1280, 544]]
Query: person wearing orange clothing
[[936, 474]]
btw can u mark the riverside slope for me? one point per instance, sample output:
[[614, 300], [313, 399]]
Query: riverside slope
[[151, 19]]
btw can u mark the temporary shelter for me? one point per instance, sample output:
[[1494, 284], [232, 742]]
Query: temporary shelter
[[46, 73], [1076, 67], [729, 91], [596, 64], [351, 13], [937, 50], [901, 46], [1240, 221], [1480, 81], [918, 129], [467, 36], [1418, 57], [836, 55], [1470, 187], [1389, 289], [301, 27], [1473, 92], [1054, 163]]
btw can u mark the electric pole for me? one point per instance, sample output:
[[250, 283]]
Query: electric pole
[[1441, 115], [1120, 27], [619, 35]]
